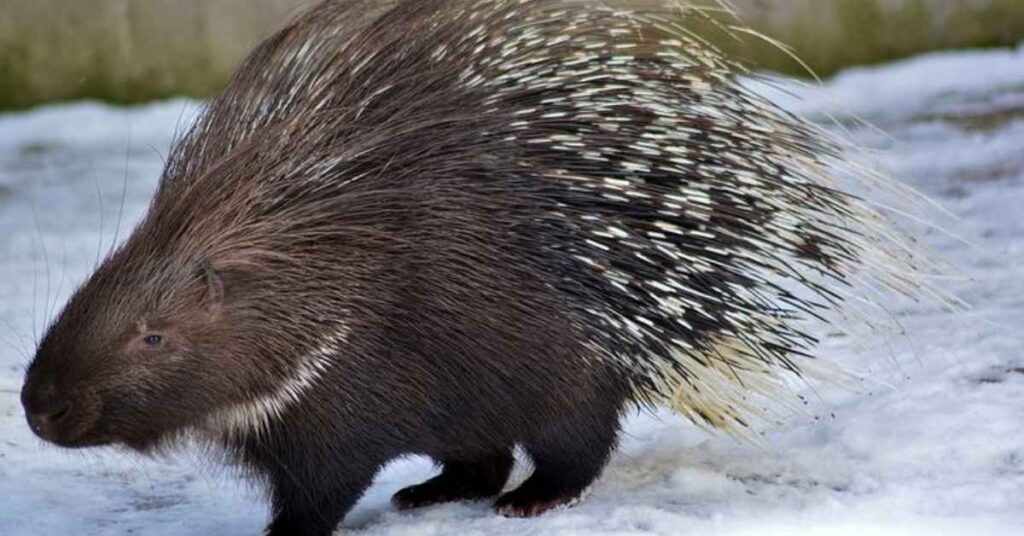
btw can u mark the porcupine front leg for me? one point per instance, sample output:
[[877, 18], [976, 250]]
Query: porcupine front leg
[[311, 489], [301, 509], [460, 480]]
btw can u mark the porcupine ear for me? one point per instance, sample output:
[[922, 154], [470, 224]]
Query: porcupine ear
[[228, 273], [213, 297]]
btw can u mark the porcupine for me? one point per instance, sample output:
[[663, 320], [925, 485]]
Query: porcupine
[[452, 227]]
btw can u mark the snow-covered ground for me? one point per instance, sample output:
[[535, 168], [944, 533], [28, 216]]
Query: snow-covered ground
[[935, 447]]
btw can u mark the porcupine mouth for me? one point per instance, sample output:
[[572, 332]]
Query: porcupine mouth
[[79, 426], [76, 439], [83, 442]]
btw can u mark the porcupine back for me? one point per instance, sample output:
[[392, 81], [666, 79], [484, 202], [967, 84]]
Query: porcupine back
[[686, 226]]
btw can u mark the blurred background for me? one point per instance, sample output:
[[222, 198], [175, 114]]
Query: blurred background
[[129, 51]]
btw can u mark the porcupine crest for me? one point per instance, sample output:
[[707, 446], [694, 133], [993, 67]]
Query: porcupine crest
[[691, 226]]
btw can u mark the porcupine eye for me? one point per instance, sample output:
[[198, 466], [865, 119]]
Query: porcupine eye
[[153, 341]]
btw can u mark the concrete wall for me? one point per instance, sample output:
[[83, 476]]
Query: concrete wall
[[134, 50], [831, 34], [127, 50]]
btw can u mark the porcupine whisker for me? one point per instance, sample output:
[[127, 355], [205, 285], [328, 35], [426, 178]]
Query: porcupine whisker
[[16, 341], [124, 192]]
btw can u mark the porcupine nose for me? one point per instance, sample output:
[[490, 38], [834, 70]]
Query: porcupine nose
[[45, 408]]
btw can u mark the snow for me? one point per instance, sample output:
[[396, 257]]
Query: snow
[[934, 445], [924, 84]]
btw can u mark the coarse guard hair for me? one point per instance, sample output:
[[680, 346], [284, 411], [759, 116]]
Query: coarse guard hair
[[690, 227]]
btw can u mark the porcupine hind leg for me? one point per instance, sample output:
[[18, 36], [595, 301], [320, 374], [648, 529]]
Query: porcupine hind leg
[[566, 460], [460, 480]]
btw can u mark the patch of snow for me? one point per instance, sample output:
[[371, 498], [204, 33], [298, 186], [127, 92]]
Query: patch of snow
[[923, 84]]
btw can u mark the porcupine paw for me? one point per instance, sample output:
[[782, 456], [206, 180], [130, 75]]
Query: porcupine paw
[[534, 497], [458, 481], [435, 491]]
